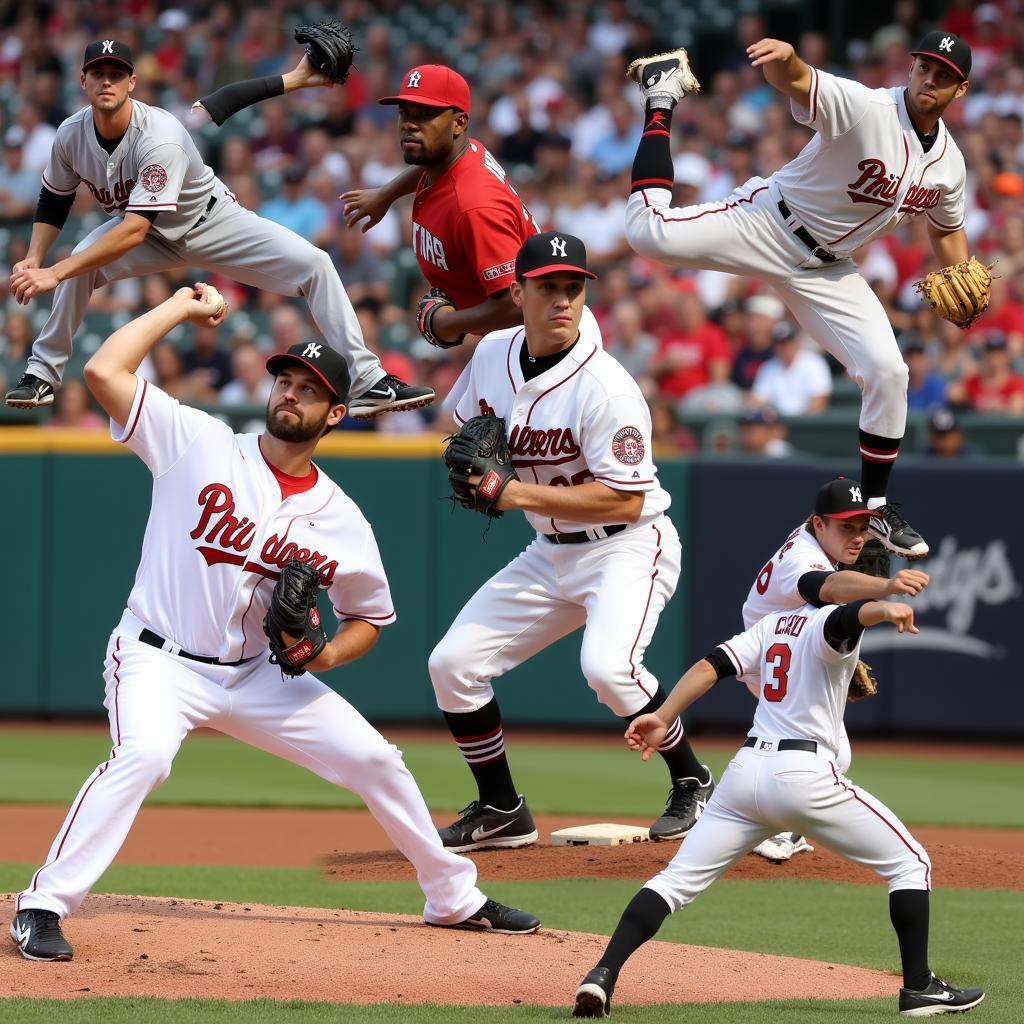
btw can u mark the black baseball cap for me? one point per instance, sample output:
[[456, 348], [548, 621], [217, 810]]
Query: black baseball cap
[[841, 499], [323, 360], [942, 421], [947, 49], [108, 49], [551, 252]]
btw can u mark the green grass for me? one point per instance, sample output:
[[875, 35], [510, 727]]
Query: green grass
[[601, 780], [975, 940]]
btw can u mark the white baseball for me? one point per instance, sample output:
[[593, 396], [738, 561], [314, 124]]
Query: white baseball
[[211, 295]]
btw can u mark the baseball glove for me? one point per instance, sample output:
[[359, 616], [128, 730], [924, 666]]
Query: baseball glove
[[873, 560], [480, 448], [434, 300], [863, 684], [329, 48], [293, 612], [958, 293]]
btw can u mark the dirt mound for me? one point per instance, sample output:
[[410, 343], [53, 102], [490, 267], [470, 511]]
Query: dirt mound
[[130, 946]]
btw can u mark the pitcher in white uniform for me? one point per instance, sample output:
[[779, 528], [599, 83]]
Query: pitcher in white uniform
[[606, 556], [229, 512], [168, 209], [786, 776], [805, 570], [879, 157]]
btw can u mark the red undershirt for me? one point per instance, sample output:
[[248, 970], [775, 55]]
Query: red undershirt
[[291, 484]]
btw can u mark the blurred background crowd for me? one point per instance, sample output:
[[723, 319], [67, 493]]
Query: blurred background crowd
[[551, 101]]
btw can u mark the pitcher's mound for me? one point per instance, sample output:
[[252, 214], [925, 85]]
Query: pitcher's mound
[[130, 946]]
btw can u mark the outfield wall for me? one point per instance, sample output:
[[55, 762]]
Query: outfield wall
[[75, 521]]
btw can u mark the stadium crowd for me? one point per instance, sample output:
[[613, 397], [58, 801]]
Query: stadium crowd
[[551, 101]]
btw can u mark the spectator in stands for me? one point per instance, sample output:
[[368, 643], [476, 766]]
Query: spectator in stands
[[277, 145], [926, 388], [72, 408], [626, 340], [287, 327], [668, 435], [796, 381], [19, 185], [763, 313], [204, 360], [38, 137], [696, 353], [359, 266], [763, 433], [945, 436], [250, 383], [17, 337], [295, 208], [996, 387]]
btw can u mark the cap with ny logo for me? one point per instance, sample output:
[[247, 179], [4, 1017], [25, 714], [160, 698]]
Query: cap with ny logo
[[108, 50], [318, 357], [551, 252]]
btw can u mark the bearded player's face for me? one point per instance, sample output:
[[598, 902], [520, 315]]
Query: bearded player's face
[[300, 407], [427, 134]]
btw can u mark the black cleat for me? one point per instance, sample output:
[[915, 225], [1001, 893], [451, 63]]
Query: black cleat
[[482, 827], [30, 392], [37, 934], [594, 996], [496, 917], [389, 394], [686, 802], [896, 534], [938, 997]]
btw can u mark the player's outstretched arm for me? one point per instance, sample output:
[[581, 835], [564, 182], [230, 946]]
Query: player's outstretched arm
[[873, 613], [110, 373], [370, 204], [29, 282], [647, 731], [950, 247], [850, 585], [782, 68]]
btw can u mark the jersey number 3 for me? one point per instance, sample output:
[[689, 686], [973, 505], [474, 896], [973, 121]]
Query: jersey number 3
[[778, 656]]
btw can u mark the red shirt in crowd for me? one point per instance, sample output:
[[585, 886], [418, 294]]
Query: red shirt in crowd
[[467, 228], [986, 396], [695, 352]]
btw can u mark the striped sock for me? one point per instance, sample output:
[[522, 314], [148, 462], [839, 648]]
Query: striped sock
[[877, 457], [481, 740]]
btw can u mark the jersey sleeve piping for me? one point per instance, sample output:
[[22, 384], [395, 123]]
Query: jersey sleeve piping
[[59, 191], [732, 657]]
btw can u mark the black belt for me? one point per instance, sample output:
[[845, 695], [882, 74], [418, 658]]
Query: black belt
[[809, 746], [581, 536], [206, 213], [147, 636], [807, 238]]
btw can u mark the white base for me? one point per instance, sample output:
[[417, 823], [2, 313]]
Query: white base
[[604, 834]]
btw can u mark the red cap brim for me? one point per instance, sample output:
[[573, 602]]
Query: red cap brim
[[275, 364], [851, 514], [942, 60], [419, 99], [556, 268]]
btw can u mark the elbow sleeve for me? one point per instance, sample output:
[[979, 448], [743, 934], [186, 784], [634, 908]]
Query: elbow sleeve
[[720, 662], [809, 585], [52, 208]]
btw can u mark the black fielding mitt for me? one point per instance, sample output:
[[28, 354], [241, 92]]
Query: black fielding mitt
[[481, 449], [329, 48], [293, 612], [873, 560]]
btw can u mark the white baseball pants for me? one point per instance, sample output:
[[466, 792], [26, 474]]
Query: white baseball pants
[[763, 793], [154, 699], [744, 234], [616, 587], [240, 245]]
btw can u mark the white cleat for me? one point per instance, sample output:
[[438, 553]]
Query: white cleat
[[664, 74], [781, 847]]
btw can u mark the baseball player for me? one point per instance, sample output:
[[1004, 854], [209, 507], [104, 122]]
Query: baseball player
[[878, 158], [231, 513], [168, 210], [805, 570], [606, 557], [786, 775]]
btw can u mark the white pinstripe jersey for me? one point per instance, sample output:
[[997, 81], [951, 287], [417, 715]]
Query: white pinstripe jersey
[[156, 167], [804, 681], [219, 533], [865, 171], [582, 420]]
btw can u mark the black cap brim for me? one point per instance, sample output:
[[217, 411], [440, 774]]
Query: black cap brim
[[109, 58], [275, 364]]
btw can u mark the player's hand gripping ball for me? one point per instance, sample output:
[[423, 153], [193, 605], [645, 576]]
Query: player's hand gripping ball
[[428, 306], [329, 48], [480, 449], [292, 622]]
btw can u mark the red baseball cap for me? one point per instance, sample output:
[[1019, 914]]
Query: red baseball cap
[[432, 85]]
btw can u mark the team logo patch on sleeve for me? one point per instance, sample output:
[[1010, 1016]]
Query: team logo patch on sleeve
[[501, 270], [628, 446], [153, 178]]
